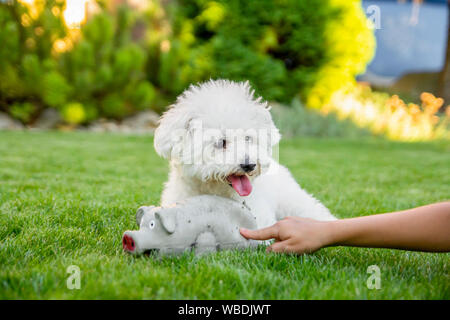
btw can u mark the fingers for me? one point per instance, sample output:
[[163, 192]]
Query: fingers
[[281, 246], [288, 246], [261, 234]]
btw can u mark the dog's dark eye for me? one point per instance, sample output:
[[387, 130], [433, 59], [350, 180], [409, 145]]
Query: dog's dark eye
[[222, 144], [248, 138]]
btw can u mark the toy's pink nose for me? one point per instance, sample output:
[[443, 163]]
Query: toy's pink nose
[[128, 243]]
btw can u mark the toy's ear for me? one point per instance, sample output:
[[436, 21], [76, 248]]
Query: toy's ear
[[140, 213], [168, 220], [173, 126]]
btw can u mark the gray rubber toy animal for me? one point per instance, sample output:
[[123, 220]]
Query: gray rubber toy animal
[[205, 223]]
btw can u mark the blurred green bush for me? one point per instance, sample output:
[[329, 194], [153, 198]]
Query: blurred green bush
[[96, 72], [285, 48], [124, 60]]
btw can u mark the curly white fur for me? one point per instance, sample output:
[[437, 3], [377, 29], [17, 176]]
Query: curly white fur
[[210, 133]]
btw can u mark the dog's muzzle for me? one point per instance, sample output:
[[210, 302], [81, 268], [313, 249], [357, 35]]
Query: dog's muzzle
[[248, 167]]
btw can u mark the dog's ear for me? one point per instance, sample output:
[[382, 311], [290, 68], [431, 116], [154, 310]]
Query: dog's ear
[[173, 126], [168, 220], [275, 135]]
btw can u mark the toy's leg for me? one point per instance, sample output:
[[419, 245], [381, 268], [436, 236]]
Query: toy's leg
[[205, 242]]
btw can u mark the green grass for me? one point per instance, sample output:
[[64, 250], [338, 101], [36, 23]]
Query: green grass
[[66, 198]]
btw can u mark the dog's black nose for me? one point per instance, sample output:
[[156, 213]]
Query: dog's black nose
[[247, 167]]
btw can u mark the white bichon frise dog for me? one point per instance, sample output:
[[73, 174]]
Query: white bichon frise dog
[[219, 140]]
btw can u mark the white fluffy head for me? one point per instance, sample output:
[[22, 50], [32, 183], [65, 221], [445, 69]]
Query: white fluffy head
[[215, 129]]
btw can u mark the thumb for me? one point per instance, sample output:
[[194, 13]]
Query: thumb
[[261, 234]]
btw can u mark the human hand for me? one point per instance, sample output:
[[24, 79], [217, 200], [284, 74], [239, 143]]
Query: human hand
[[422, 229], [293, 235]]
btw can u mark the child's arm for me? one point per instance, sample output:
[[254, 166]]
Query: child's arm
[[424, 228]]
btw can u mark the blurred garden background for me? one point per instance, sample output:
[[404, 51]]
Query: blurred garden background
[[359, 89], [93, 64]]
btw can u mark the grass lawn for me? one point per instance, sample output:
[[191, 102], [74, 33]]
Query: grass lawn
[[66, 198]]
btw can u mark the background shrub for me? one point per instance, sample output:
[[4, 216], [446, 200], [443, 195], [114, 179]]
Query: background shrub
[[284, 47], [96, 72], [106, 68], [28, 79], [125, 60]]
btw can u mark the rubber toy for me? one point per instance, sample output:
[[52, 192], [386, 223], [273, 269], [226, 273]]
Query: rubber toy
[[205, 223]]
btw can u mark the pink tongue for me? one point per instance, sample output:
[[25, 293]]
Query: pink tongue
[[241, 184]]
